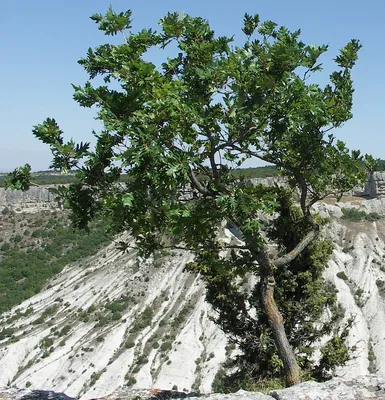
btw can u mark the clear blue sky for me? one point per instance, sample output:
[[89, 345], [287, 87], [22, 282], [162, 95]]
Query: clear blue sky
[[41, 41]]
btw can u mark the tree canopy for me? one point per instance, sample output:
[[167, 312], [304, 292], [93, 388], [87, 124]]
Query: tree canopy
[[179, 129]]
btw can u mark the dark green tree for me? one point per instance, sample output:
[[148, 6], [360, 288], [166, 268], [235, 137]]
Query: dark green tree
[[178, 129]]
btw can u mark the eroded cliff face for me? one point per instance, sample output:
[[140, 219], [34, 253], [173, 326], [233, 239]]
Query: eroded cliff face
[[33, 200], [113, 320], [357, 269], [162, 337]]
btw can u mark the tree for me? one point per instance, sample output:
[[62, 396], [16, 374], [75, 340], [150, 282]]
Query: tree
[[177, 131]]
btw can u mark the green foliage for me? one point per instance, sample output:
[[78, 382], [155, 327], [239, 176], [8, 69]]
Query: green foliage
[[53, 178], [95, 376], [354, 215], [20, 178], [372, 164], [222, 383], [65, 330], [143, 320], [24, 271], [258, 172], [46, 313], [182, 316], [334, 353], [302, 295], [380, 284], [166, 346], [180, 130], [342, 275], [46, 178], [129, 379]]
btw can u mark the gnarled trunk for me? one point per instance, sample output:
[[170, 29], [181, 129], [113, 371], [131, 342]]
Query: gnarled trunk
[[275, 319]]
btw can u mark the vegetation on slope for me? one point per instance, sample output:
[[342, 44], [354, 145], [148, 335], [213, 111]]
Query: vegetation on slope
[[35, 247]]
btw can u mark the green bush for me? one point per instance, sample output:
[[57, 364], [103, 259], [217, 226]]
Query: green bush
[[166, 346], [5, 247], [380, 284], [143, 320], [130, 380], [334, 353], [129, 344], [342, 275], [354, 215], [17, 239]]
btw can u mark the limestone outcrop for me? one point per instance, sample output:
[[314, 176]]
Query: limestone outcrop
[[375, 186], [33, 200], [368, 387]]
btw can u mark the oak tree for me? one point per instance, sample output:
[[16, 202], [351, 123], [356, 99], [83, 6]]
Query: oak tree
[[177, 130]]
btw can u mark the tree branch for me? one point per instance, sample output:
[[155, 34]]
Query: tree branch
[[283, 260], [197, 185]]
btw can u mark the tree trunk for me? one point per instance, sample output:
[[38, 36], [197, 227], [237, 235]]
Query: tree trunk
[[275, 319]]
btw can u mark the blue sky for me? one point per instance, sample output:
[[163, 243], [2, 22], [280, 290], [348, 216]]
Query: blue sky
[[41, 41]]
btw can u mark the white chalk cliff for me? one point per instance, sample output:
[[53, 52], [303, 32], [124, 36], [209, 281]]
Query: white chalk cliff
[[165, 337]]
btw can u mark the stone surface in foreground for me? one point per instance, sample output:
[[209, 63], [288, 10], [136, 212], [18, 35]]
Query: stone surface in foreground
[[362, 388]]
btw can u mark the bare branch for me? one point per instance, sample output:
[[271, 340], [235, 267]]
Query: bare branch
[[124, 36], [198, 186], [283, 260]]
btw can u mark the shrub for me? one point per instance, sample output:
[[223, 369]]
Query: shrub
[[130, 380], [143, 320], [380, 284], [342, 275], [5, 247], [354, 215], [17, 239], [166, 346], [334, 353]]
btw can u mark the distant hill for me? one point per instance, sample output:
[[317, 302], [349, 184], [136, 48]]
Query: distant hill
[[54, 178]]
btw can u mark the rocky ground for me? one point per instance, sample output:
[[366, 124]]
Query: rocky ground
[[361, 388]]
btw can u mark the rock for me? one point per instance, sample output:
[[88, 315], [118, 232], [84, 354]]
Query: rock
[[361, 388], [367, 387], [34, 200], [130, 394], [375, 186], [25, 394], [240, 395]]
